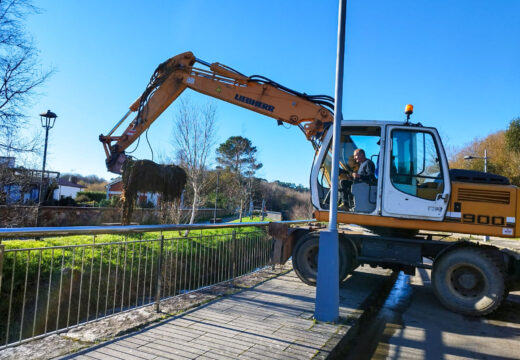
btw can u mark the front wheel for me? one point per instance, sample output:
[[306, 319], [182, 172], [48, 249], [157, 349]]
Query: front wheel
[[305, 259], [469, 281]]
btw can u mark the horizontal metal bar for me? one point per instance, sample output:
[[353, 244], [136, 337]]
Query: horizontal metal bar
[[128, 229]]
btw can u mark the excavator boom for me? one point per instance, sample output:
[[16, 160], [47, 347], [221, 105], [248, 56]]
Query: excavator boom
[[312, 114]]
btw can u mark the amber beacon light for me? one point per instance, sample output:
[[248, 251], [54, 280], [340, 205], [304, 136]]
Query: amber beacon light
[[408, 110]]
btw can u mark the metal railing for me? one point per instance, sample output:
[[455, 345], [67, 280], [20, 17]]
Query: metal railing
[[47, 288]]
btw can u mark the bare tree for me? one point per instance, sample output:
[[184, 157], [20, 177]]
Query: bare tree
[[19, 72], [193, 137]]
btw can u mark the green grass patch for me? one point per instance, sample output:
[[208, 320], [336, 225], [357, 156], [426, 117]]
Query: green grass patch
[[110, 238]]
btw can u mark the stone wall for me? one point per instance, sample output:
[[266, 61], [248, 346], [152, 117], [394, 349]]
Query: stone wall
[[54, 216]]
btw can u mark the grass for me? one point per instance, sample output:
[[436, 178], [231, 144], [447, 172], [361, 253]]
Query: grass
[[114, 261], [109, 238]]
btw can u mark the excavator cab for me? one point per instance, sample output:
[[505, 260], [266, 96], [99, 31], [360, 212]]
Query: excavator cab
[[409, 171]]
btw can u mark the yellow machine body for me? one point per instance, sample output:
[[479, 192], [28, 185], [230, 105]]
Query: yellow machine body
[[479, 209]]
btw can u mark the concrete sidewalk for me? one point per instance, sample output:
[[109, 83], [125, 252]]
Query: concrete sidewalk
[[272, 320]]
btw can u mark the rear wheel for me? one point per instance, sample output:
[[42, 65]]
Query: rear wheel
[[305, 259], [469, 281]]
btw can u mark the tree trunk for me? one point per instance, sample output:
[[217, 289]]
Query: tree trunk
[[193, 208], [241, 206]]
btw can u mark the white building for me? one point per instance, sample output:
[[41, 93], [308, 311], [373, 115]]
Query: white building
[[67, 188], [115, 188]]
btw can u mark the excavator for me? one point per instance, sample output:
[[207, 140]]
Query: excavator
[[404, 218]]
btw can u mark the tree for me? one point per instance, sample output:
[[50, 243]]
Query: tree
[[193, 138], [501, 160], [19, 73], [513, 136], [238, 155]]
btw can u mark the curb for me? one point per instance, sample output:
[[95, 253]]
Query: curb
[[342, 342]]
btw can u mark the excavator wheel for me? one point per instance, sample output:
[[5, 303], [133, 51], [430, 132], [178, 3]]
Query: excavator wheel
[[469, 280], [305, 258]]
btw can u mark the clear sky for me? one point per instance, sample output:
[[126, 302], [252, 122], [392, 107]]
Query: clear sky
[[458, 62]]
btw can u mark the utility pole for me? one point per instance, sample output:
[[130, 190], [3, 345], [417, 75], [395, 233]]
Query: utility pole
[[485, 158]]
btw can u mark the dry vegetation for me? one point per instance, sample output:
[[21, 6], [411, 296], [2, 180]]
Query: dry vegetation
[[291, 203], [501, 160]]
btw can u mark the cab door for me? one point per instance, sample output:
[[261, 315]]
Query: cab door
[[416, 183]]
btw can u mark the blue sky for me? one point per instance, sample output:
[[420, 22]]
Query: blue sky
[[458, 62]]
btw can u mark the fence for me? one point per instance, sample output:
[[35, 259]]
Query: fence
[[23, 216], [47, 288]]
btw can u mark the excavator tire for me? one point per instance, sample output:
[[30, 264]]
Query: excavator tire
[[469, 281], [305, 259]]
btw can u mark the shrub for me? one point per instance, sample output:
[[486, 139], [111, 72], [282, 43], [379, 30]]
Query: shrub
[[92, 195], [81, 198], [105, 203], [66, 201]]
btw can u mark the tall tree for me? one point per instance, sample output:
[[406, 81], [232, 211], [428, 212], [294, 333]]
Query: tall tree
[[513, 136], [238, 155], [19, 72], [193, 138]]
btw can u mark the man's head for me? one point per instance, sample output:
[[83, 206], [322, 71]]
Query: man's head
[[359, 155]]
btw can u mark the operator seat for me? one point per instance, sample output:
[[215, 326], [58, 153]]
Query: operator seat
[[365, 196]]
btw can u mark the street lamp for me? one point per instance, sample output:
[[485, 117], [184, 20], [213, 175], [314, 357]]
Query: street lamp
[[47, 120], [485, 158], [218, 168]]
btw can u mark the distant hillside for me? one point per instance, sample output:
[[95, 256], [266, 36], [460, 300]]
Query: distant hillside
[[294, 202], [299, 188]]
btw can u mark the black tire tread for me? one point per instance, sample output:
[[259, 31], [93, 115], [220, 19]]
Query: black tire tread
[[499, 270], [343, 248]]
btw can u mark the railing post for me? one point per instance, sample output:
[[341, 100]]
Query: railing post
[[234, 255], [2, 246], [159, 277]]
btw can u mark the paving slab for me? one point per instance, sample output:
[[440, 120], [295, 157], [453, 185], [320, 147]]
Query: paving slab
[[272, 320]]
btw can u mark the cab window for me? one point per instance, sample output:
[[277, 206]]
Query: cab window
[[354, 195], [414, 165]]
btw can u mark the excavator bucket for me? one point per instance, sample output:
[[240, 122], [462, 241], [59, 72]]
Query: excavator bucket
[[146, 176]]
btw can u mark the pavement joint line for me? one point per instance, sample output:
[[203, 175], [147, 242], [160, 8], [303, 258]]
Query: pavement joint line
[[158, 352], [262, 354], [176, 350], [222, 355], [119, 354], [218, 322], [269, 338], [125, 350], [168, 336], [191, 343], [225, 347], [169, 331], [228, 340]]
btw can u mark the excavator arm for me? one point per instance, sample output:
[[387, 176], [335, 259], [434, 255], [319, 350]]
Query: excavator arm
[[312, 114]]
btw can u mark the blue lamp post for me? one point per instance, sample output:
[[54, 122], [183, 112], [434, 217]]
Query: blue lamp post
[[327, 285]]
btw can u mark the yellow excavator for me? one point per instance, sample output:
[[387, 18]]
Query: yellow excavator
[[410, 205]]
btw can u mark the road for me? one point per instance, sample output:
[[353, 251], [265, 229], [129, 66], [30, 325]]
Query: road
[[414, 325]]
